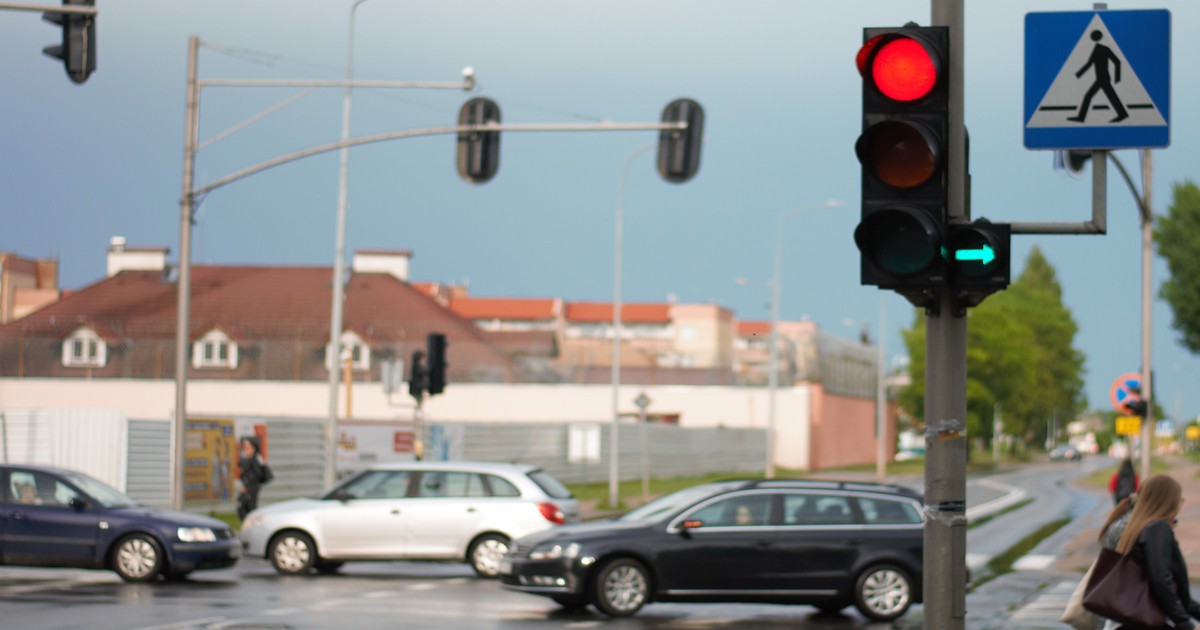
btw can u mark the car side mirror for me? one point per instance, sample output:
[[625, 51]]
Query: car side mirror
[[686, 527], [340, 495], [78, 504]]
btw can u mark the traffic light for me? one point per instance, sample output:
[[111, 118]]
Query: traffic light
[[478, 151], [978, 255], [417, 376], [435, 346], [903, 147], [78, 48], [679, 149]]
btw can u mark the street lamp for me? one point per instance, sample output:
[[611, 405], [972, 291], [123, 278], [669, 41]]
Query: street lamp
[[614, 431], [776, 293], [880, 394], [339, 263]]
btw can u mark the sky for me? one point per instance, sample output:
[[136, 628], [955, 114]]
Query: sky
[[80, 164]]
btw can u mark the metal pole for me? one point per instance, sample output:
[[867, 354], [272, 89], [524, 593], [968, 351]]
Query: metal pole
[[339, 266], [945, 384], [776, 300], [1147, 250], [645, 455], [881, 434], [186, 207], [773, 373], [614, 431]]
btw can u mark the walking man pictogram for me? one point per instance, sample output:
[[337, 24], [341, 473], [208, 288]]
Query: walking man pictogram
[[1098, 62]]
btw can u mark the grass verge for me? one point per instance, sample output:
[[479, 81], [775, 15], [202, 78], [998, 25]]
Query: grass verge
[[1002, 563]]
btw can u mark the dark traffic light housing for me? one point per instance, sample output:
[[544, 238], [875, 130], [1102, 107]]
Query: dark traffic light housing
[[417, 376], [78, 48], [478, 154], [903, 150], [679, 149], [436, 348]]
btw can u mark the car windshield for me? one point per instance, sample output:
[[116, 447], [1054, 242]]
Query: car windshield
[[672, 503], [99, 491]]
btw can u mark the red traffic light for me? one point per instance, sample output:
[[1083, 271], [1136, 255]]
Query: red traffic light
[[902, 68]]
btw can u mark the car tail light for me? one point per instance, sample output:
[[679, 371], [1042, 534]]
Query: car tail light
[[552, 513]]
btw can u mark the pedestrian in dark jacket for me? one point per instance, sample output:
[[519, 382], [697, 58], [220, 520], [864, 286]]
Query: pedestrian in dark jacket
[[253, 475], [1124, 482], [1149, 538]]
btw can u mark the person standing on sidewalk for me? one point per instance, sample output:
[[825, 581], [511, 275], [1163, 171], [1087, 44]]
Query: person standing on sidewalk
[[254, 473], [1124, 482], [1149, 538]]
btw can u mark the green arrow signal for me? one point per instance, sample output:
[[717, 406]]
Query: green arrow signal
[[984, 254]]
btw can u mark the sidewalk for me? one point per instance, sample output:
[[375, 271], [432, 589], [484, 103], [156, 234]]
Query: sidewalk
[[1032, 599]]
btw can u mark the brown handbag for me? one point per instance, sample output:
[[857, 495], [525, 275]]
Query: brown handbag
[[1119, 590]]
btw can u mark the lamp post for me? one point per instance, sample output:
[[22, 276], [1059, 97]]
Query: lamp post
[[614, 431], [339, 263], [776, 298]]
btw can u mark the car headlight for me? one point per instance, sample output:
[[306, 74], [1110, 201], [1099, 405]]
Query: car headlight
[[196, 534], [552, 551], [252, 521]]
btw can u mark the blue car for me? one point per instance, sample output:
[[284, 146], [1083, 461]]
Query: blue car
[[51, 517]]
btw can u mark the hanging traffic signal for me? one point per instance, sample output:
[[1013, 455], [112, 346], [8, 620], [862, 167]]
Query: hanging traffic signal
[[417, 376], [679, 149], [478, 151], [978, 255], [435, 346], [902, 150], [78, 48]]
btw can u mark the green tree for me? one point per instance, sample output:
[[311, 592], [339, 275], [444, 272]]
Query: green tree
[[1177, 236], [1019, 356]]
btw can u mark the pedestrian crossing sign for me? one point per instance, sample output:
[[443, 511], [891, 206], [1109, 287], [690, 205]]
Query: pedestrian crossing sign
[[1098, 79]]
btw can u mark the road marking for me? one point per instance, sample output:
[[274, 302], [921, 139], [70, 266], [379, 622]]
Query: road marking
[[1014, 495], [183, 625], [1034, 562]]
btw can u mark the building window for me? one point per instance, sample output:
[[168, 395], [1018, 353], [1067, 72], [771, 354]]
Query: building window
[[358, 351], [215, 350], [84, 348]]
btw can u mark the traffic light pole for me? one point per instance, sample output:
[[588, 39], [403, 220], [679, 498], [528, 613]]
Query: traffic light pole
[[946, 384]]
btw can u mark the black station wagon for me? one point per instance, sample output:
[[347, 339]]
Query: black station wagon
[[825, 544]]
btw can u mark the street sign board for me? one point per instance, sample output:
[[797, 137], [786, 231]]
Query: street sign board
[[1129, 425], [1098, 79], [1123, 390]]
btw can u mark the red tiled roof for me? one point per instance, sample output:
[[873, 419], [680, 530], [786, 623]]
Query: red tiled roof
[[746, 329], [594, 312], [504, 308]]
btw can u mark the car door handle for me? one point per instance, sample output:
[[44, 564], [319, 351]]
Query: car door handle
[[470, 509], [17, 516], [762, 544], [395, 512]]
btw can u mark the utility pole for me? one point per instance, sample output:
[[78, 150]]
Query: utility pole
[[946, 384]]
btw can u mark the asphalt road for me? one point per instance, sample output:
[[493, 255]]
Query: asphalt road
[[448, 596]]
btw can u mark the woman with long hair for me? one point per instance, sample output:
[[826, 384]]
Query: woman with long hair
[[1149, 538]]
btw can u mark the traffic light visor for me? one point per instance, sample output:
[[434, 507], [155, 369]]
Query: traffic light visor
[[903, 155], [900, 241], [903, 69]]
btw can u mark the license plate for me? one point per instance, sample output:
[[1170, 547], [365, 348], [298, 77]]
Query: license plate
[[506, 567]]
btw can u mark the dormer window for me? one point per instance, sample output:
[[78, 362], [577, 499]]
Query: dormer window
[[215, 350], [84, 348], [354, 347]]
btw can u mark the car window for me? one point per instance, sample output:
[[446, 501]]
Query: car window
[[501, 487], [670, 503], [450, 484], [745, 510], [551, 486], [379, 484], [816, 509], [37, 488], [885, 512]]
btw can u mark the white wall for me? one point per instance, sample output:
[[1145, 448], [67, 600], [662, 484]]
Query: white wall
[[697, 406], [93, 441]]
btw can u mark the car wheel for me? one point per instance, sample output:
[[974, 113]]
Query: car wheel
[[293, 553], [883, 592], [137, 558], [622, 587], [485, 554], [327, 567]]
